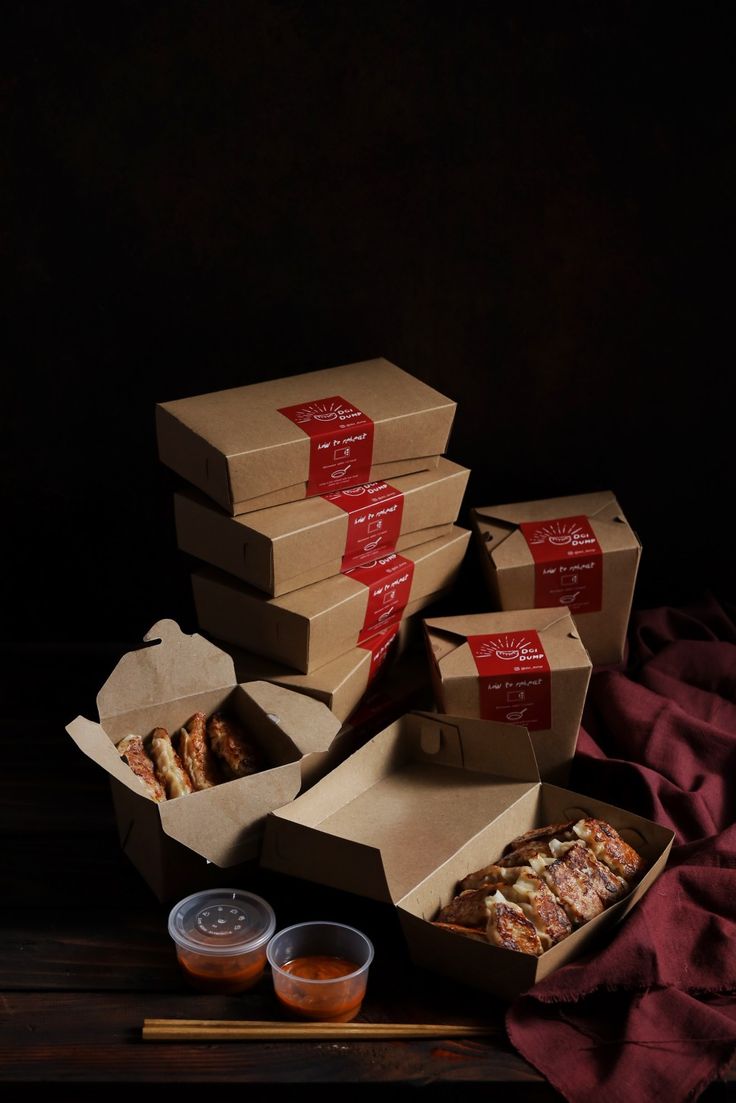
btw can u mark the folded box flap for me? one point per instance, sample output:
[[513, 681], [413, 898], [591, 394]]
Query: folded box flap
[[95, 744], [447, 638], [473, 744], [173, 665], [599, 504], [308, 723]]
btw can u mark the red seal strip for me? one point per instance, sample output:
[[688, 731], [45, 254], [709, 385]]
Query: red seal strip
[[514, 679], [341, 442], [379, 647], [389, 586], [374, 521], [568, 564]]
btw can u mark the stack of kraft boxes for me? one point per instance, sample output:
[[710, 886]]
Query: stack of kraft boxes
[[323, 510]]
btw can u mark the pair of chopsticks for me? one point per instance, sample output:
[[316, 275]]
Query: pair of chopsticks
[[234, 1030]]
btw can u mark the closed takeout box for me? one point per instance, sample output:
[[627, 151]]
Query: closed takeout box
[[278, 441], [283, 548], [423, 804], [339, 684], [578, 552], [164, 684], [309, 627], [526, 667]]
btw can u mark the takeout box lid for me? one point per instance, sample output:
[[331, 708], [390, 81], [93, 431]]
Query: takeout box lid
[[508, 548], [500, 754], [451, 652], [246, 419], [172, 665]]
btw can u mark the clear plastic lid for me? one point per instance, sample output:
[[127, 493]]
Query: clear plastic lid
[[221, 921]]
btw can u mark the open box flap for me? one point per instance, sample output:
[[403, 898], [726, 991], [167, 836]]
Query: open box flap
[[93, 741], [308, 723], [174, 665], [204, 821], [403, 803], [447, 638]]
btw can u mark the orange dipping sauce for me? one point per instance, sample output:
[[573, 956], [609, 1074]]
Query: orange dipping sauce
[[209, 973], [338, 1002]]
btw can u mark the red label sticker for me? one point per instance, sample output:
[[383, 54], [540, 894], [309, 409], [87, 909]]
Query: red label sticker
[[379, 647], [568, 563], [374, 521], [514, 679], [389, 586], [341, 442]]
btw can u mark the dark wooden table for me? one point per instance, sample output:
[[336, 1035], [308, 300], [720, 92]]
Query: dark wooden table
[[85, 955]]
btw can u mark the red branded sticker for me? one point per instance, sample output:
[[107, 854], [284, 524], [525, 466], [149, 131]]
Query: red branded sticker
[[389, 586], [341, 442], [379, 647], [568, 563], [374, 521], [514, 679]]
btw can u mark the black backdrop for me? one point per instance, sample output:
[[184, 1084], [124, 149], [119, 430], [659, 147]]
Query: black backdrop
[[529, 206]]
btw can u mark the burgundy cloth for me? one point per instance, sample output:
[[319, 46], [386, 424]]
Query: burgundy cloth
[[652, 1015]]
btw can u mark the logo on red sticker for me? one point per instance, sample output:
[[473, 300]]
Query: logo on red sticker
[[341, 442], [514, 684], [568, 563]]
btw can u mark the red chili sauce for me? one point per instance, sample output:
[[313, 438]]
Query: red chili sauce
[[222, 974], [332, 1003]]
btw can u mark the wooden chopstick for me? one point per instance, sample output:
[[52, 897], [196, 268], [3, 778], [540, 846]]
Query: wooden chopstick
[[235, 1030]]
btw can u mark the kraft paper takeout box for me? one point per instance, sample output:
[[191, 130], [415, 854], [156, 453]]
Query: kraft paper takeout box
[[172, 843], [309, 627], [283, 548], [512, 694], [339, 684], [514, 578], [239, 449], [426, 802]]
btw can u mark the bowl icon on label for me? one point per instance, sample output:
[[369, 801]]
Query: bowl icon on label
[[355, 490], [326, 417], [558, 541], [508, 655]]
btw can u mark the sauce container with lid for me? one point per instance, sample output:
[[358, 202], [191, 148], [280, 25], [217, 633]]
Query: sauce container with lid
[[320, 970], [221, 937]]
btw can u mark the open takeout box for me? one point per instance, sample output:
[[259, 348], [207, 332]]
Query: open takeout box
[[283, 548], [285, 439], [513, 688], [426, 802], [597, 588], [185, 842]]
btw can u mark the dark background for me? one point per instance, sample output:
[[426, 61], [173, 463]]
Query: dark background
[[528, 206]]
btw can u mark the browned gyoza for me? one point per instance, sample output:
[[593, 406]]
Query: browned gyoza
[[549, 881], [133, 751], [169, 767], [238, 755], [196, 754]]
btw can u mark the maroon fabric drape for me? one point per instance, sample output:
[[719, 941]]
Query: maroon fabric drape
[[652, 1015]]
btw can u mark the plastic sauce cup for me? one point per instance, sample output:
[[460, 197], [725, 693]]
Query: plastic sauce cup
[[221, 937], [320, 970]]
